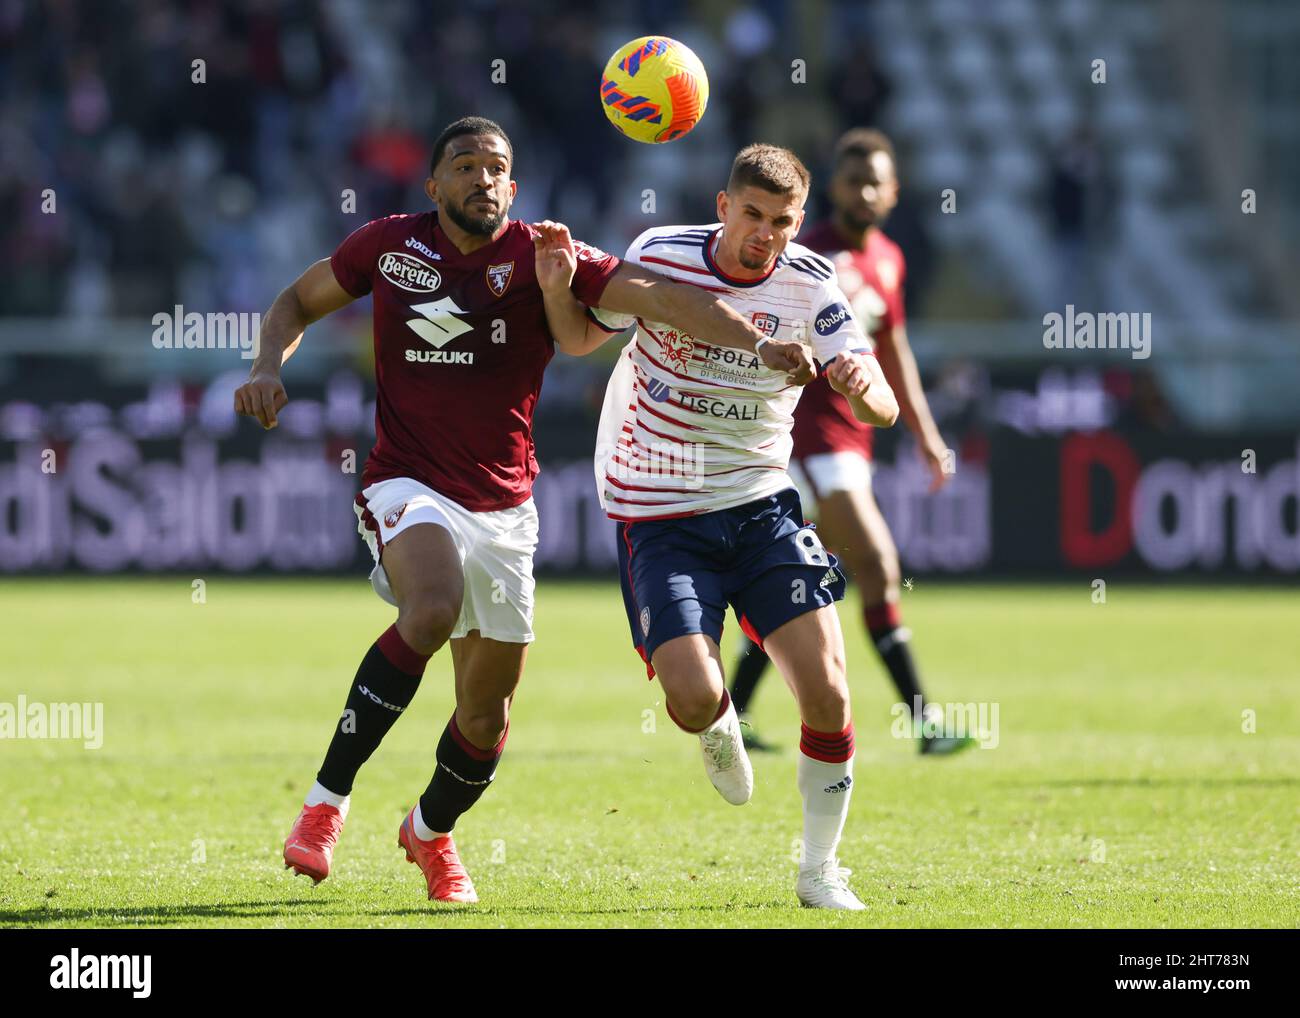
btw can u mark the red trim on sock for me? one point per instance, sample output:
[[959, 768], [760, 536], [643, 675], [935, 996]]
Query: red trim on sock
[[472, 750], [722, 709], [400, 654], [828, 747], [883, 616]]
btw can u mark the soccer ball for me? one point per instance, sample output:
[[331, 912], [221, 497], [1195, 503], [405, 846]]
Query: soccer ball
[[654, 89]]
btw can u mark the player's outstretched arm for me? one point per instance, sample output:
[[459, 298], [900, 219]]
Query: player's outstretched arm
[[557, 261], [635, 290], [899, 366], [858, 378], [311, 296]]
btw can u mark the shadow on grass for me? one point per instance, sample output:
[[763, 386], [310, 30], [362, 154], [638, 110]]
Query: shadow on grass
[[167, 916]]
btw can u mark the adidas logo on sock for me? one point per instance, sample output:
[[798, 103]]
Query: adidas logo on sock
[[840, 786]]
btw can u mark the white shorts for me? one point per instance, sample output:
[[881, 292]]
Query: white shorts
[[828, 472], [495, 548]]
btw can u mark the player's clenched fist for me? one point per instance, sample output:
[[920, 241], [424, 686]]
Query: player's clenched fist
[[849, 375], [262, 396], [858, 378], [792, 358]]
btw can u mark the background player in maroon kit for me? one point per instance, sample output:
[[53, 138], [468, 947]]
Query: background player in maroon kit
[[461, 342], [832, 448]]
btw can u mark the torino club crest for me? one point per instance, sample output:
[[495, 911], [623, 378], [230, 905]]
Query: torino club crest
[[677, 348], [393, 515], [498, 277]]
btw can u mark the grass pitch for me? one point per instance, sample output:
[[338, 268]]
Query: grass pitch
[[1124, 790]]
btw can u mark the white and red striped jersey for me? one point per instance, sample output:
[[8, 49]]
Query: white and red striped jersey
[[689, 427]]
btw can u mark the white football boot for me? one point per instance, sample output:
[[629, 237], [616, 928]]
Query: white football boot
[[725, 758], [827, 886]]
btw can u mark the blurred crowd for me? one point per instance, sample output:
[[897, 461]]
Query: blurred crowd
[[203, 152]]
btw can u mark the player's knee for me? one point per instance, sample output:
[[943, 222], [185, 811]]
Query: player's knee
[[483, 726], [826, 709], [891, 577], [427, 620], [695, 708]]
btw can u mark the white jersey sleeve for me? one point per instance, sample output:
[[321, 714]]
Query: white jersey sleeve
[[833, 328]]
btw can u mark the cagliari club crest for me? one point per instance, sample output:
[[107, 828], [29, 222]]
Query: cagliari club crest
[[766, 323], [498, 277]]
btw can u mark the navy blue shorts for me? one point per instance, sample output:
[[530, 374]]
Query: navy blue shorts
[[762, 558]]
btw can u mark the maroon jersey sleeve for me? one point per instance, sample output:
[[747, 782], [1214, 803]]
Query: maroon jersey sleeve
[[894, 298], [353, 261], [594, 270]]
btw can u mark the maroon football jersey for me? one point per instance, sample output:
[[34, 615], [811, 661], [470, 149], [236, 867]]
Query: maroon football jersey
[[461, 342], [872, 279]]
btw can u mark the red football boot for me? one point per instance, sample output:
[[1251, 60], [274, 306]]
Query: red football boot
[[439, 863], [309, 848]]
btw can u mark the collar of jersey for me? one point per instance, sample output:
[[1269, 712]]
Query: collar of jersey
[[712, 266]]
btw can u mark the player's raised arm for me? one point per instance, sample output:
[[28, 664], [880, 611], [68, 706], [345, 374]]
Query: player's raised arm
[[312, 296], [857, 377], [635, 290], [557, 261], [851, 369]]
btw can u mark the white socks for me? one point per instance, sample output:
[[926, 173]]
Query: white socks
[[319, 793], [826, 784], [422, 830]]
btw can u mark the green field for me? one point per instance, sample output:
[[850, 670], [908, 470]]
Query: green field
[[1123, 790]]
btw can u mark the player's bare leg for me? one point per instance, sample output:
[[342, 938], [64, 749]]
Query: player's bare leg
[[809, 652], [487, 674], [424, 570], [853, 527], [745, 677], [852, 523], [689, 669], [424, 573]]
